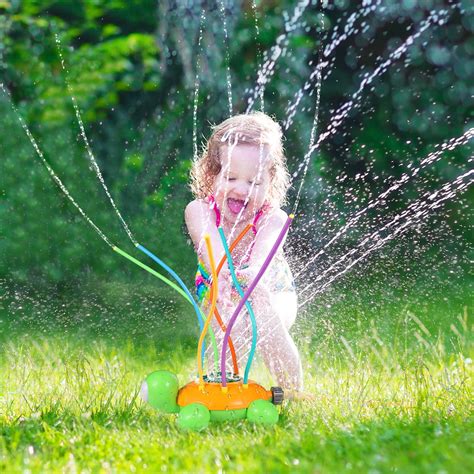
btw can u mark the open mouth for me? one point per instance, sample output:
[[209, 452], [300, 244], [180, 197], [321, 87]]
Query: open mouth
[[235, 205]]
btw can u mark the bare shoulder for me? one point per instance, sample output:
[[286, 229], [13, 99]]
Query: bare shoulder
[[196, 209], [274, 219], [196, 215], [277, 216]]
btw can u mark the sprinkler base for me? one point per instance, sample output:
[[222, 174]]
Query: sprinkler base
[[199, 403]]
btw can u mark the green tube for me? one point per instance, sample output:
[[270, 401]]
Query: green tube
[[175, 287], [153, 272], [199, 313]]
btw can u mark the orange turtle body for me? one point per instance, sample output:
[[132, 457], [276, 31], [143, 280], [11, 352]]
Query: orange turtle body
[[211, 394], [202, 401]]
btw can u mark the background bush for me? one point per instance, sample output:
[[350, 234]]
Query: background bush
[[132, 68]]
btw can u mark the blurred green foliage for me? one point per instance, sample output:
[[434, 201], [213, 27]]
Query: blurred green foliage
[[132, 67]]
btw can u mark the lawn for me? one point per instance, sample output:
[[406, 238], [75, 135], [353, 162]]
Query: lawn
[[392, 393]]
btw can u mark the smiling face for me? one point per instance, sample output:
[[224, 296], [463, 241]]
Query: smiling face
[[243, 181]]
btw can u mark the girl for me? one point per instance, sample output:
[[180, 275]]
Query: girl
[[241, 178]]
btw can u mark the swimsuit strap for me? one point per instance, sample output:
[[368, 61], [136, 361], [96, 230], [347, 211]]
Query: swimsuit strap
[[213, 205], [257, 217]]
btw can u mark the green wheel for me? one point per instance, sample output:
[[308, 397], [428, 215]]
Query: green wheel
[[194, 417], [160, 389], [262, 412]]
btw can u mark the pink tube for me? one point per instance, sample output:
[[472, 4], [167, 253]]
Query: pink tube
[[249, 291]]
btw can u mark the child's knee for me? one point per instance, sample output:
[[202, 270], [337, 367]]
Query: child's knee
[[274, 339]]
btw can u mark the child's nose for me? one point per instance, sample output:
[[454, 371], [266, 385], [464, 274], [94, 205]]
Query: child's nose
[[242, 189]]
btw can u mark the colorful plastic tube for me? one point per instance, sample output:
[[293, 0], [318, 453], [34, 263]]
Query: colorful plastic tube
[[214, 294], [153, 272], [249, 291], [233, 245], [189, 296], [247, 303], [216, 311], [186, 293]]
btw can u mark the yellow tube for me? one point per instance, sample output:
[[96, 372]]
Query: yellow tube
[[214, 291]]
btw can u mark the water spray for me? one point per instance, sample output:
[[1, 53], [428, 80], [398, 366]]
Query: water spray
[[224, 395]]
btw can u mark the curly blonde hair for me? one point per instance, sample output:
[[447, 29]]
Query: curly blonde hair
[[255, 128]]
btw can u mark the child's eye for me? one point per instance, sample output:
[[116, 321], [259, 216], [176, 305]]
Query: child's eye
[[256, 184], [230, 179]]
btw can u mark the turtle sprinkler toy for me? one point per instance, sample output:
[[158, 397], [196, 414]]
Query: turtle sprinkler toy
[[219, 396]]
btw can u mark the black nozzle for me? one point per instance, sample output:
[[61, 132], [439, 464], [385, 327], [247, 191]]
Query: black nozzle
[[277, 395]]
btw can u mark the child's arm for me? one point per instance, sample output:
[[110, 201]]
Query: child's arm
[[199, 221], [267, 232]]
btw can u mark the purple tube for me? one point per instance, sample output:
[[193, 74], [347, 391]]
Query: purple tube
[[249, 291]]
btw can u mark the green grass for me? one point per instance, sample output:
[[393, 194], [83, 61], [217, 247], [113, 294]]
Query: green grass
[[397, 400]]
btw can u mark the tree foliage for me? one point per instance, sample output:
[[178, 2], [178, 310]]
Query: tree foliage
[[132, 68]]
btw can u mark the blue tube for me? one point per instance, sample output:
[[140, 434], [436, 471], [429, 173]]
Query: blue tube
[[247, 304], [181, 284]]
